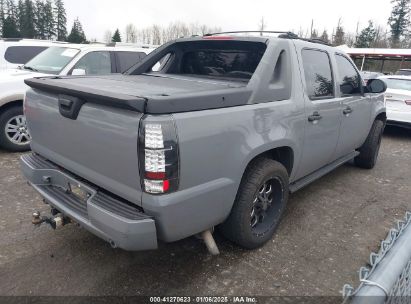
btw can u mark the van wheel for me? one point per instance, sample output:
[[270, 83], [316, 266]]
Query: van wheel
[[370, 149], [14, 135], [260, 202]]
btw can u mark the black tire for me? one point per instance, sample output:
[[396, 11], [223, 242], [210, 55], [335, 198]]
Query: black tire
[[238, 226], [371, 147], [5, 141]]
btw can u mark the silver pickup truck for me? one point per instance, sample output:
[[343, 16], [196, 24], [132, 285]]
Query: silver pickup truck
[[205, 132]]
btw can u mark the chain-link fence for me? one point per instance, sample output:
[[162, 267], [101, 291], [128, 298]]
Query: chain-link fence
[[401, 292], [389, 278]]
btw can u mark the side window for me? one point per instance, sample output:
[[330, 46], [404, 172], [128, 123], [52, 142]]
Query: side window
[[95, 63], [161, 63], [127, 59], [348, 78], [22, 54], [318, 76]]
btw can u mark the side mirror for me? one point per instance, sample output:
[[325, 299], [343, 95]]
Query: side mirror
[[376, 86], [346, 88], [78, 72]]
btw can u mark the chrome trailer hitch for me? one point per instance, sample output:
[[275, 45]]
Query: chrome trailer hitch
[[56, 221]]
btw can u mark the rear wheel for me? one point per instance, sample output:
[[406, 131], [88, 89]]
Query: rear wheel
[[259, 204], [14, 135], [370, 149]]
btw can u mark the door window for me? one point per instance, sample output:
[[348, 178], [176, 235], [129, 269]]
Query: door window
[[95, 63], [348, 78], [161, 63], [318, 76]]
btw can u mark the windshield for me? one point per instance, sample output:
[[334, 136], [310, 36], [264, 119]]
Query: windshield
[[398, 84], [52, 60]]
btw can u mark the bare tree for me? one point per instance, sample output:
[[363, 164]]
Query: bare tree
[[312, 28], [131, 33], [194, 29], [300, 32], [381, 38], [356, 32], [204, 30], [107, 36], [156, 34], [261, 26], [339, 37]]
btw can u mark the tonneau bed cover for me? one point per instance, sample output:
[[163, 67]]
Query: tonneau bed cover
[[148, 93]]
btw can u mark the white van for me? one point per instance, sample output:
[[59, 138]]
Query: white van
[[15, 51], [62, 60]]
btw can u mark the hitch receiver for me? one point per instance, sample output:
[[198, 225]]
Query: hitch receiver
[[55, 222]]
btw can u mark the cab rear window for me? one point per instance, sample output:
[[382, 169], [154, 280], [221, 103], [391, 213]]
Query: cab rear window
[[221, 63], [231, 60]]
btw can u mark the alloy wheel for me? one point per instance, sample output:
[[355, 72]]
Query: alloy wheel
[[266, 205], [16, 130]]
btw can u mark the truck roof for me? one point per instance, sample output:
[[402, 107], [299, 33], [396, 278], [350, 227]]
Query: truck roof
[[104, 47], [263, 35]]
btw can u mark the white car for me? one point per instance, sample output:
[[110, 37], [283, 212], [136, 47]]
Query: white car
[[57, 60], [16, 51], [398, 100]]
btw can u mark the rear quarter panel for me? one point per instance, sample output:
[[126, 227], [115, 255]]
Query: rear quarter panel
[[377, 106], [217, 145], [215, 149]]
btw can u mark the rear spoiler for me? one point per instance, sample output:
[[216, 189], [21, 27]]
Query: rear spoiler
[[58, 85]]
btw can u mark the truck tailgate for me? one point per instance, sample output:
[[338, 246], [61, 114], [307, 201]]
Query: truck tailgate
[[99, 145]]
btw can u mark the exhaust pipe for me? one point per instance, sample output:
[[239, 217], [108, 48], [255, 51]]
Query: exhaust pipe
[[208, 238]]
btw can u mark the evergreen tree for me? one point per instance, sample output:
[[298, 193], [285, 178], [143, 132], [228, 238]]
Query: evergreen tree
[[60, 20], [2, 16], [339, 37], [77, 34], [27, 27], [324, 37], [314, 34], [366, 37], [48, 19], [39, 22], [20, 14], [10, 29], [399, 20], [116, 37]]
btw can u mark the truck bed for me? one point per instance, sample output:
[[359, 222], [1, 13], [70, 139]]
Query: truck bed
[[148, 93]]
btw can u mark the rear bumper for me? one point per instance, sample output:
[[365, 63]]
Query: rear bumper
[[398, 117], [106, 216]]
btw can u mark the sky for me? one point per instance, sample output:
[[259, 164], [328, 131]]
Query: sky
[[98, 16]]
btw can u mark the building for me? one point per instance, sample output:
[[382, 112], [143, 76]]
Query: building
[[379, 60]]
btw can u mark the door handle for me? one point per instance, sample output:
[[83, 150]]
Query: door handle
[[314, 117], [347, 110]]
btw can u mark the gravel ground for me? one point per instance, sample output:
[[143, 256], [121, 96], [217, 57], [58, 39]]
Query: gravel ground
[[327, 233]]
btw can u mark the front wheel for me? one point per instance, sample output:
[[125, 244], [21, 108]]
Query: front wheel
[[370, 149], [260, 202], [14, 135]]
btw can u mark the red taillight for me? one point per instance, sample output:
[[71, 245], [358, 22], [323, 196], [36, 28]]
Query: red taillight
[[156, 175], [218, 38], [158, 154], [408, 102], [166, 186]]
